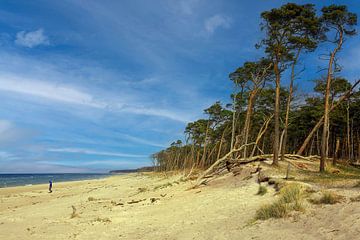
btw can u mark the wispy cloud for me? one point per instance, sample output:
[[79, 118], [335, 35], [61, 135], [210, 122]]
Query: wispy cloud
[[72, 95], [142, 141], [94, 152], [217, 21], [31, 39], [187, 6], [47, 90], [10, 133], [6, 156]]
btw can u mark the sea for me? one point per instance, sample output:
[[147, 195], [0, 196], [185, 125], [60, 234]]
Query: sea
[[12, 180]]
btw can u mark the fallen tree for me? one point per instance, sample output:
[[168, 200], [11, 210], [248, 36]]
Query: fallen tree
[[226, 164]]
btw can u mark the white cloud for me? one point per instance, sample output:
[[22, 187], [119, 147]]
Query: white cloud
[[71, 95], [93, 152], [31, 39], [47, 90], [215, 22]]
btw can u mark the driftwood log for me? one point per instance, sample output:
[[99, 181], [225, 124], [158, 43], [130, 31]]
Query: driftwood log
[[225, 164]]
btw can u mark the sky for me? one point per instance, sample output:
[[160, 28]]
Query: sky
[[92, 86]]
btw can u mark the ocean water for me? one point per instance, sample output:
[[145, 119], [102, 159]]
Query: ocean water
[[11, 180]]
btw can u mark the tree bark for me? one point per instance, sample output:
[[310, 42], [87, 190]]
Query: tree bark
[[336, 151], [247, 120], [288, 104], [276, 115], [325, 133]]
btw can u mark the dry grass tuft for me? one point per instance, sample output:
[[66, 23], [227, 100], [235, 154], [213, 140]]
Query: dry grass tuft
[[274, 210], [91, 199], [290, 199], [290, 193], [328, 198]]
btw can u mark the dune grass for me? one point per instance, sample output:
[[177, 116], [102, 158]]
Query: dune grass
[[290, 199], [328, 198]]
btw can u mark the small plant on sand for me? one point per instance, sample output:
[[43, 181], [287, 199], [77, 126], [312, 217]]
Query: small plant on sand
[[290, 199], [262, 190], [91, 199]]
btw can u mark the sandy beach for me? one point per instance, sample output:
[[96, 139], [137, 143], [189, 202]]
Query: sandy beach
[[152, 206]]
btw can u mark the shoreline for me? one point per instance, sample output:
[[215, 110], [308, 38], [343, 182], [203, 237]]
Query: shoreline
[[87, 176]]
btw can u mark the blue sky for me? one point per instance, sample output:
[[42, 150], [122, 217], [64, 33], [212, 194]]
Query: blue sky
[[90, 86]]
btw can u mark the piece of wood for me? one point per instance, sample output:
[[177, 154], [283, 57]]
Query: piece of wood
[[217, 162]]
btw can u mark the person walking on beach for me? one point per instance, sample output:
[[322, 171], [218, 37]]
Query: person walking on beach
[[50, 186]]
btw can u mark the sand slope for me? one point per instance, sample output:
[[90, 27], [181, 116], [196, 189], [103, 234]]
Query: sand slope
[[109, 209]]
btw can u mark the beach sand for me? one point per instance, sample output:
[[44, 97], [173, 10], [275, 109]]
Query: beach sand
[[151, 206]]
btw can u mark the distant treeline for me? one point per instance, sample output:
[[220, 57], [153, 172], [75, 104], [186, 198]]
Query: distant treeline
[[142, 169], [272, 116]]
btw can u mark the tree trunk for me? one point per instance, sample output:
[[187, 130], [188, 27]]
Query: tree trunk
[[325, 133], [348, 130], [288, 104], [276, 115], [247, 121], [336, 151], [233, 123]]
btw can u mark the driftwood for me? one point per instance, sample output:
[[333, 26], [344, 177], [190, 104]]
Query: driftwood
[[225, 164], [219, 161], [136, 201], [261, 133]]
